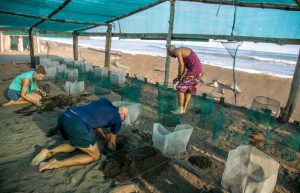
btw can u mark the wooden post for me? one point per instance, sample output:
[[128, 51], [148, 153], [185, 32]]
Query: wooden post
[[293, 96], [108, 46], [31, 48], [38, 43], [169, 37], [75, 46], [1, 42]]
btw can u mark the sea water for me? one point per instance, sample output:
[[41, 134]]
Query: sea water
[[274, 59]]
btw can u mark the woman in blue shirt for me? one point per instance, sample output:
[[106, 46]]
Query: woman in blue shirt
[[23, 88], [76, 126]]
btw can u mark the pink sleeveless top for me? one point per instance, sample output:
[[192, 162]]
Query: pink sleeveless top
[[193, 64]]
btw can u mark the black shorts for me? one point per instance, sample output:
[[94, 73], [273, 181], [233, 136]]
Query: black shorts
[[72, 128]]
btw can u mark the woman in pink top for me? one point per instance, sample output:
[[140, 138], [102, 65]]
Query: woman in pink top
[[190, 71]]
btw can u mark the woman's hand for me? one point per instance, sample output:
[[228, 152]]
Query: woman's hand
[[175, 80], [43, 93], [38, 104]]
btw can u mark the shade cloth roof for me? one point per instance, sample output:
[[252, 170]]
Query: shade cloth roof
[[24, 14]]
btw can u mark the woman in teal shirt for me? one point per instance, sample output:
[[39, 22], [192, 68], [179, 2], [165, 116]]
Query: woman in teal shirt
[[23, 89]]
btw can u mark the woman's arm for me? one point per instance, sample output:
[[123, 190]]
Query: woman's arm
[[112, 142], [181, 68], [25, 83], [180, 62], [40, 91], [100, 132]]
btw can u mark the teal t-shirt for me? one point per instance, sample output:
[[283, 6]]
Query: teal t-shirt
[[16, 84]]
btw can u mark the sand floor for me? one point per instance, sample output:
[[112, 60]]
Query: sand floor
[[25, 130]]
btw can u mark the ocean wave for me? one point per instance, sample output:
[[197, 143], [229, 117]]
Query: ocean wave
[[273, 60]]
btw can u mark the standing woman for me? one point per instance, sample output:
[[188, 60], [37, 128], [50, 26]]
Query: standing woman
[[190, 71], [23, 88]]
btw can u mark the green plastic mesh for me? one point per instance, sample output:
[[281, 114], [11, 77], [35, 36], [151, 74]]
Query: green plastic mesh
[[167, 102], [103, 86], [60, 77], [259, 117], [283, 145], [204, 106], [133, 91], [218, 120]]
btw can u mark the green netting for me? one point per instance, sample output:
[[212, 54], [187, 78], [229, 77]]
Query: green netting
[[82, 76], [283, 145], [260, 117], [103, 86], [218, 123], [133, 91], [261, 103], [203, 104], [60, 77], [167, 102]]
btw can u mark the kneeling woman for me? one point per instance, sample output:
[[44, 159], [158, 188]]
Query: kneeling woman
[[23, 89]]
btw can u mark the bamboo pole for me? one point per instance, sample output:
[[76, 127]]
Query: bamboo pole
[[38, 43], [31, 48], [75, 46], [169, 37], [195, 37], [293, 96], [108, 46]]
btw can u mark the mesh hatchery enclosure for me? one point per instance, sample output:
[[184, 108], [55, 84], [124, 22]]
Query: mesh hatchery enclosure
[[265, 104], [167, 102], [133, 91]]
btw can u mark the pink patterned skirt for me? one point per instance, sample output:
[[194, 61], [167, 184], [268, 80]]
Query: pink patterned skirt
[[188, 84]]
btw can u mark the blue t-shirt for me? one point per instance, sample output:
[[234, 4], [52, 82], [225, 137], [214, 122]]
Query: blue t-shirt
[[100, 114]]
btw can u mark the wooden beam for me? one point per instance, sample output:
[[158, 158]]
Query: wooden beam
[[293, 96], [256, 5], [75, 46], [66, 2], [108, 46], [169, 38], [118, 18], [46, 18], [25, 31], [31, 47], [196, 37]]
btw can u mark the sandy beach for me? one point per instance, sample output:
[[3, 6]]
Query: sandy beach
[[152, 67], [137, 166]]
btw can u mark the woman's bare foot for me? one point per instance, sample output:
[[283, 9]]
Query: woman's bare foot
[[178, 111], [43, 155], [47, 165], [8, 104]]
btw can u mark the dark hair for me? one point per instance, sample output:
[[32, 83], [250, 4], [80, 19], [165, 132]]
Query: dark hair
[[40, 69]]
